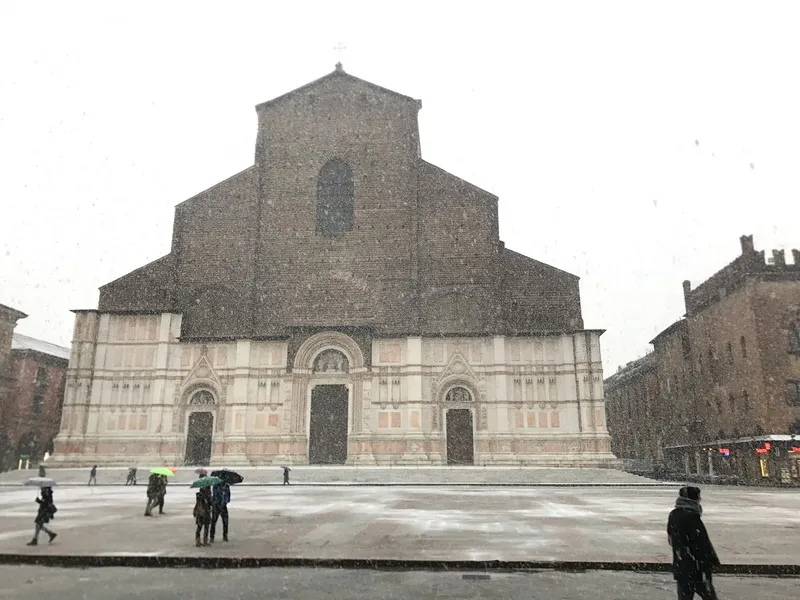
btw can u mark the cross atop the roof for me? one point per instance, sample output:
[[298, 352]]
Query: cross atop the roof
[[339, 49]]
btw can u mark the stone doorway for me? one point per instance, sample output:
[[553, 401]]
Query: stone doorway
[[460, 446], [198, 438], [327, 434]]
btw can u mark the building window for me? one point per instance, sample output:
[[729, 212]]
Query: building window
[[335, 193], [458, 394], [732, 401], [794, 338], [745, 400], [41, 376], [730, 353], [38, 403], [743, 344], [793, 392]]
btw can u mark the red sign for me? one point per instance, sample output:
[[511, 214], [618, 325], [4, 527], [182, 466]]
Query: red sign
[[762, 450], [795, 449], [725, 451], [767, 445]]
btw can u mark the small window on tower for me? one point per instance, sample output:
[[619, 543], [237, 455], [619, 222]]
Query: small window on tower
[[335, 201]]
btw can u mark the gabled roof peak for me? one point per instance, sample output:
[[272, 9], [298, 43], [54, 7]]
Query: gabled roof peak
[[338, 71]]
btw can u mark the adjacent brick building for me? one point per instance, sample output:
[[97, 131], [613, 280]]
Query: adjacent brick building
[[728, 376], [32, 412], [341, 271], [8, 321]]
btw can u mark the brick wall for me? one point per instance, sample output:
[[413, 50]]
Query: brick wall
[[424, 254], [34, 410]]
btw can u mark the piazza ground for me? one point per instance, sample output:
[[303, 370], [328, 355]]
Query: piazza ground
[[34, 583], [747, 525]]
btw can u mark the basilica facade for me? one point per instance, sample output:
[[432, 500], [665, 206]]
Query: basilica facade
[[341, 301]]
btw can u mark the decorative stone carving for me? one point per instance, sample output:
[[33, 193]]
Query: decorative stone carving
[[458, 394], [366, 408], [331, 362], [202, 397]]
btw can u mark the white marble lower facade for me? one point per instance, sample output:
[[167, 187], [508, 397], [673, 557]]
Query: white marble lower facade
[[136, 393]]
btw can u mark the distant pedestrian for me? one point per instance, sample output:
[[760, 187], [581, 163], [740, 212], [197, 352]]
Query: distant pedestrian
[[153, 494], [286, 475], [162, 492], [221, 496], [47, 511], [131, 480], [93, 476], [202, 515], [42, 472], [693, 555]]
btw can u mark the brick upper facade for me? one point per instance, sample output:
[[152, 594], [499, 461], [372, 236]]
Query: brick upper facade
[[423, 256]]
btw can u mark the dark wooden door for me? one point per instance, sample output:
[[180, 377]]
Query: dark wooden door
[[460, 447], [198, 438], [327, 443]]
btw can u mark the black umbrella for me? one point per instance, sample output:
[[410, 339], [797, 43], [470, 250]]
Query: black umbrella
[[229, 477]]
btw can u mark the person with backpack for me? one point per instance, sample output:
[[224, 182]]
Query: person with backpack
[[202, 515], [47, 511]]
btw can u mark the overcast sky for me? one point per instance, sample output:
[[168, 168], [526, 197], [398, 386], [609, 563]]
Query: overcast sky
[[630, 143]]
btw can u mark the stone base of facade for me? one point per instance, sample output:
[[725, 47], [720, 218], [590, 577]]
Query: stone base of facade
[[424, 450]]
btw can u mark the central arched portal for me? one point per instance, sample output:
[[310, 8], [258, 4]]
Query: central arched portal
[[198, 438], [327, 434]]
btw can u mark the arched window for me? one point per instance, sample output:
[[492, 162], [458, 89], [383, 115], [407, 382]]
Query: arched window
[[335, 198], [202, 397], [730, 353], [794, 338], [743, 344], [746, 400], [458, 394]]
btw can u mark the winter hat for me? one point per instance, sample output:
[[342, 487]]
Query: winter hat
[[691, 492]]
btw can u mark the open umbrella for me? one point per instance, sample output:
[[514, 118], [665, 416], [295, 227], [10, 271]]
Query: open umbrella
[[205, 482], [173, 469], [162, 471], [228, 476], [40, 482], [202, 471]]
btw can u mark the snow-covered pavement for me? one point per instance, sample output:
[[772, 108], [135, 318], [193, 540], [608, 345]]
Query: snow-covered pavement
[[606, 524]]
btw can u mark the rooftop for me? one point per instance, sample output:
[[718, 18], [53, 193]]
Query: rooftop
[[23, 342]]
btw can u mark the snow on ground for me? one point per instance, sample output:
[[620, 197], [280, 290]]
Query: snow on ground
[[758, 526]]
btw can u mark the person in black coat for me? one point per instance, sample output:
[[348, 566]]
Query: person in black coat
[[693, 555], [47, 510], [202, 515]]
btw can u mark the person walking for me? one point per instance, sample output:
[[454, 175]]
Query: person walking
[[47, 511], [221, 496], [131, 480], [162, 492], [693, 555], [286, 475], [153, 493], [202, 515], [93, 475]]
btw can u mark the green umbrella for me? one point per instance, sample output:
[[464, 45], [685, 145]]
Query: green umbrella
[[162, 471], [206, 482]]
